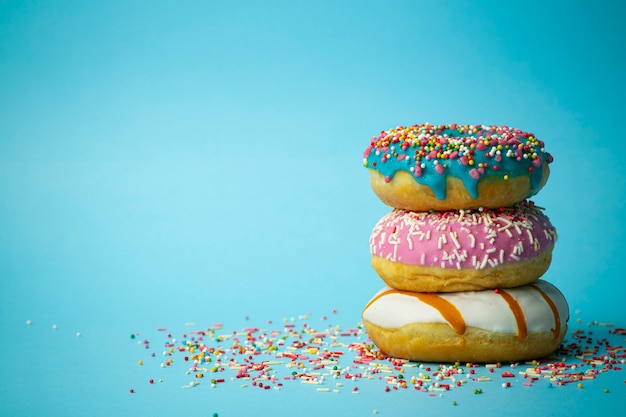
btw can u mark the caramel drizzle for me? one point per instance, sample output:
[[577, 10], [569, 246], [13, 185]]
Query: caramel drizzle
[[447, 310], [518, 313], [454, 318], [556, 332]]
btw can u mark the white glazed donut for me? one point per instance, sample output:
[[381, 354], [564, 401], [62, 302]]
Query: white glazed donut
[[527, 322]]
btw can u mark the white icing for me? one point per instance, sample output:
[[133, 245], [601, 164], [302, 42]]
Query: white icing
[[482, 309]]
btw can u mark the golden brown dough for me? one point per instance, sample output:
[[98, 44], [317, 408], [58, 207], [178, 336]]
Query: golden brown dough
[[436, 342], [403, 192], [434, 279]]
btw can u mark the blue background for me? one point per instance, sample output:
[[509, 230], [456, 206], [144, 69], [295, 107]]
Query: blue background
[[168, 162]]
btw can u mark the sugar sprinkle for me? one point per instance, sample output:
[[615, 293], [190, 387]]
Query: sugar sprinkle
[[337, 360]]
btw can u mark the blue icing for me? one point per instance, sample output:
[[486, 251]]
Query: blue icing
[[455, 143]]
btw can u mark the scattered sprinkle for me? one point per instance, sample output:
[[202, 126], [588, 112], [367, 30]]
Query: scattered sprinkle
[[339, 359]]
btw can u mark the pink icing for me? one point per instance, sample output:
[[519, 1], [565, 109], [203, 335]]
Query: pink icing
[[463, 239]]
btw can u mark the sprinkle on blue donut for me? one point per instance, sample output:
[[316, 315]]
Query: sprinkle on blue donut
[[469, 152]]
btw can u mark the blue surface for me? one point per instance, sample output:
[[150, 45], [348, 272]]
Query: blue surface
[[168, 163]]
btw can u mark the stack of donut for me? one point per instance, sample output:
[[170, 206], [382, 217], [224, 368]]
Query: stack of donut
[[463, 249]]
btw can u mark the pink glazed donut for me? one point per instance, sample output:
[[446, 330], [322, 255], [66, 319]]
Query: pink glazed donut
[[464, 250]]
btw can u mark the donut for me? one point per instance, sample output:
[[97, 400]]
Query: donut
[[522, 323], [462, 250], [448, 167]]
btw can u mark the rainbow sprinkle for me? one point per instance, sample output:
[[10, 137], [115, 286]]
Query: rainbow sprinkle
[[335, 360], [469, 152]]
